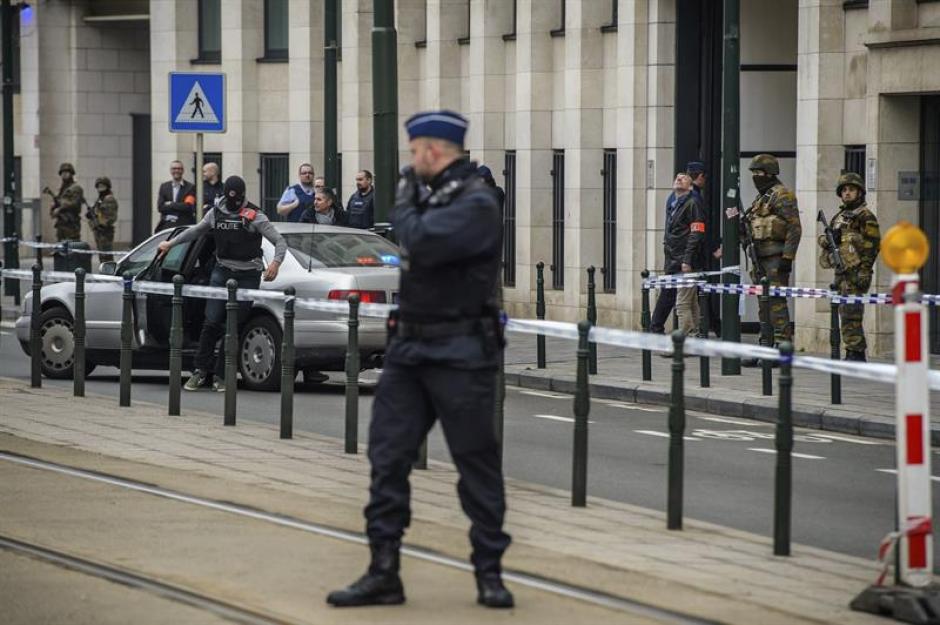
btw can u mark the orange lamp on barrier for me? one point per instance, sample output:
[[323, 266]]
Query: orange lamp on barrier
[[905, 248]]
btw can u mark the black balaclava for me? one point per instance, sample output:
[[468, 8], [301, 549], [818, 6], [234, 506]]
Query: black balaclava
[[234, 192], [764, 183]]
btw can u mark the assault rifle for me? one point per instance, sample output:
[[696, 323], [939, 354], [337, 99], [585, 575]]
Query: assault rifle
[[747, 238], [831, 238], [91, 214], [55, 201]]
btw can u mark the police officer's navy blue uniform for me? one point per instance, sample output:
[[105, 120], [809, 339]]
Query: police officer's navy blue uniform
[[440, 364]]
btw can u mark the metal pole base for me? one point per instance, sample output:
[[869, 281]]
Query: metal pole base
[[920, 606]]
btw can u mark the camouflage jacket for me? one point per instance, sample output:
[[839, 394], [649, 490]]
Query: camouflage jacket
[[70, 199], [858, 237], [774, 221], [105, 213]]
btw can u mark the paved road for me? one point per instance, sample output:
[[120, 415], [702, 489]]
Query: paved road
[[844, 488]]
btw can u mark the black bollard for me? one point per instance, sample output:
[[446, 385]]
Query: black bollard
[[78, 336], [645, 321], [540, 312], [39, 251], [176, 346], [231, 348], [127, 338], [582, 406], [835, 339], [676, 435], [767, 338], [352, 377], [287, 365], [783, 486], [35, 339], [592, 319], [704, 363]]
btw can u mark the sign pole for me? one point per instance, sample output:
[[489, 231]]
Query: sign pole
[[199, 182]]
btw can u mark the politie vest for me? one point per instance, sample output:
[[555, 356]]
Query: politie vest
[[461, 290], [234, 237], [358, 210], [306, 201]]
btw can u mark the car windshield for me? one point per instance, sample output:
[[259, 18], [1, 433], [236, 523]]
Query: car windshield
[[341, 249]]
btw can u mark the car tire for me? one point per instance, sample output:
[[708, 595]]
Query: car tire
[[58, 345], [259, 354]]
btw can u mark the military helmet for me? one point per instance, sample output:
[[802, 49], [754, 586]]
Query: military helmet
[[103, 180], [850, 177], [66, 167], [766, 163]]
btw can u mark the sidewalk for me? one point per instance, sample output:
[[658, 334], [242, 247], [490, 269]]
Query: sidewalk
[[706, 570], [867, 407]]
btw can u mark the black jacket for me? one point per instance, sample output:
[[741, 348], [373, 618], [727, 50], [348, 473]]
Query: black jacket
[[360, 209], [209, 194], [180, 211], [684, 234], [340, 217]]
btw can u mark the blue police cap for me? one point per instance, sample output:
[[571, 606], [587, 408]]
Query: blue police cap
[[695, 167], [446, 125], [484, 172]]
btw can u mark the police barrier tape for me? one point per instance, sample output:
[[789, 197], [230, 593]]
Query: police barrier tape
[[666, 278], [875, 372]]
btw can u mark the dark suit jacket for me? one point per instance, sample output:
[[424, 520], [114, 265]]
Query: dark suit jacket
[[180, 211]]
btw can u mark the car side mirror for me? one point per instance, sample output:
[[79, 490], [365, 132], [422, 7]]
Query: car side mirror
[[108, 268]]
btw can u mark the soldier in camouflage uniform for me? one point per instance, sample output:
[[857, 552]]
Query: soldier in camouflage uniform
[[101, 218], [67, 206], [856, 233], [773, 222]]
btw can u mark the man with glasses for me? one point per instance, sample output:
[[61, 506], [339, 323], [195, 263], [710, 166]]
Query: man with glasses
[[299, 197], [176, 200]]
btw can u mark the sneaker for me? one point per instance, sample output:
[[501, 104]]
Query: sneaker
[[218, 385], [196, 381]]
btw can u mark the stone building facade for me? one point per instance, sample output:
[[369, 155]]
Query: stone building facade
[[584, 110]]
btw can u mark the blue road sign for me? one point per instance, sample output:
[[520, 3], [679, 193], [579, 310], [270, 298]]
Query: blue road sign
[[197, 102]]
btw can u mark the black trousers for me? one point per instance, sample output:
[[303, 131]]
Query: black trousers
[[665, 304], [407, 402]]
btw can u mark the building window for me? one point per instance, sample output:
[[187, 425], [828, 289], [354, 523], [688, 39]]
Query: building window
[[275, 29], [511, 35], [855, 160], [558, 219], [609, 173], [210, 31], [560, 31], [509, 220], [464, 41], [611, 26], [275, 176]]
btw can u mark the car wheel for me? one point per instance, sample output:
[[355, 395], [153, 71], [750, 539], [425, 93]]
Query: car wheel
[[259, 359]]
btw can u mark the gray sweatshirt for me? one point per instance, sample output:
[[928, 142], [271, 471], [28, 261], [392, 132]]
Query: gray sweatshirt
[[260, 224]]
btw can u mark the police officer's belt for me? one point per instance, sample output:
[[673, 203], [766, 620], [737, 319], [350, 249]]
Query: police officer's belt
[[442, 329]]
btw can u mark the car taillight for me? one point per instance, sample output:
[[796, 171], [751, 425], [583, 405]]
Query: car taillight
[[366, 297]]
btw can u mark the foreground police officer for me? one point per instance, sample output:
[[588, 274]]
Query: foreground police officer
[[858, 237], [236, 227], [440, 361], [772, 225]]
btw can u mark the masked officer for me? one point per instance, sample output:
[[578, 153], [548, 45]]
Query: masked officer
[[101, 218], [857, 235], [67, 205], [236, 226], [772, 224], [440, 362]]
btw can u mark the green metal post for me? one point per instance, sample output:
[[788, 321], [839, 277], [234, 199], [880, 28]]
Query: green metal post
[[582, 406], [35, 339], [783, 486], [835, 340], [352, 377], [287, 365], [766, 337], [676, 435], [39, 251], [704, 363], [645, 322], [176, 346], [385, 106], [127, 338], [592, 318], [540, 313], [730, 176], [330, 121], [231, 348], [11, 248], [78, 335]]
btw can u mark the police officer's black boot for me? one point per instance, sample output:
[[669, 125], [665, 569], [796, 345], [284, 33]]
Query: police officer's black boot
[[491, 592], [381, 584]]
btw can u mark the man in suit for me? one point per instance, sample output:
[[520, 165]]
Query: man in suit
[[176, 200]]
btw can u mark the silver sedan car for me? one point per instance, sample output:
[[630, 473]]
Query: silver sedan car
[[323, 262]]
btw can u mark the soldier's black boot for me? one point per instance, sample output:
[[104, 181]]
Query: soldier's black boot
[[381, 584], [491, 592], [855, 356]]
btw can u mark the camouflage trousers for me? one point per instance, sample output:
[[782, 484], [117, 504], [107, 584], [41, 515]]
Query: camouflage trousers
[[68, 232], [850, 315], [104, 242], [775, 311]]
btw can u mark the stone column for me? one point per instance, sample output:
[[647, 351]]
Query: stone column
[[304, 93], [356, 86], [487, 83]]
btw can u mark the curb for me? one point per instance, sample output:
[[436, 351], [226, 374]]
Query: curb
[[715, 401]]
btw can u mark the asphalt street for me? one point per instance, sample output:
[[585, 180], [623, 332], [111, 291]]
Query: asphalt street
[[844, 486]]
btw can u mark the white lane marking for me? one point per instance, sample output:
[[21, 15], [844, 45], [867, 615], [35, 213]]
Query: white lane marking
[[894, 472], [736, 421], [848, 439], [552, 417], [614, 404], [811, 433], [663, 434], [545, 394], [764, 450]]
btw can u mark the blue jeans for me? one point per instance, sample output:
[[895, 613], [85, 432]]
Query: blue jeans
[[213, 329]]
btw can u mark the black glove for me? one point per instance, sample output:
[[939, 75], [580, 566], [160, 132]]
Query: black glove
[[837, 236], [408, 185], [786, 265]]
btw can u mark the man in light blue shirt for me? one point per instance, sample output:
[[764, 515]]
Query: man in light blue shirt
[[299, 197]]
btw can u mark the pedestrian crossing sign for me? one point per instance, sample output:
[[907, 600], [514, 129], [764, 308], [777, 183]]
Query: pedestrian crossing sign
[[197, 102]]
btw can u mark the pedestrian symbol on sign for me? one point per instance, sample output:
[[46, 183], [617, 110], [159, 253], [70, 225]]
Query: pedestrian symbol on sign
[[197, 108]]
